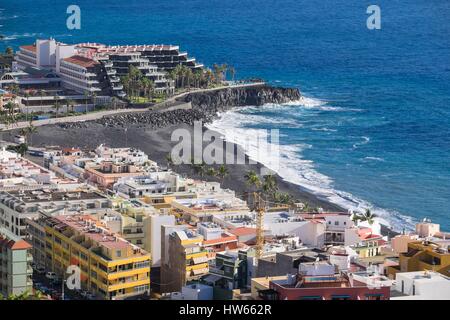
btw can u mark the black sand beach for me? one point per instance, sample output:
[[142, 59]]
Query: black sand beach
[[157, 144]]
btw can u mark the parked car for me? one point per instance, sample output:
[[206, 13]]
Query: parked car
[[51, 275]]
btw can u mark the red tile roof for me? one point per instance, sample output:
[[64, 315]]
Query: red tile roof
[[225, 238], [29, 48], [14, 245], [242, 231], [81, 61], [21, 245]]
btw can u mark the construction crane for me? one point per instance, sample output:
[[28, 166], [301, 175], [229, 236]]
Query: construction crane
[[260, 208]]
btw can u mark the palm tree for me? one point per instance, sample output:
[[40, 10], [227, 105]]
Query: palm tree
[[223, 71], [222, 172], [57, 105], [211, 172], [169, 160], [232, 72], [9, 114], [31, 129], [41, 94], [252, 179], [126, 82], [355, 218], [70, 104], [86, 95], [368, 216], [283, 198], [9, 51], [20, 149], [189, 75], [114, 103], [27, 97], [306, 207], [217, 72], [270, 185], [209, 77], [94, 99], [200, 169]]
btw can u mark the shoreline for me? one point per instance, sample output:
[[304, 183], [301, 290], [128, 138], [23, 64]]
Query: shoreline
[[151, 132], [157, 144]]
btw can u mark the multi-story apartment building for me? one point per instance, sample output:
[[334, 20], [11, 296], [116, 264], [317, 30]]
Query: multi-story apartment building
[[79, 73], [324, 287], [19, 205], [122, 62], [421, 256], [84, 75], [26, 56], [186, 260], [106, 174], [165, 57], [220, 202], [113, 78], [15, 170], [123, 155], [229, 270], [152, 183], [111, 267], [15, 266]]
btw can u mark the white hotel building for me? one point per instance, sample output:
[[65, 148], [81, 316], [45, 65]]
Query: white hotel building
[[78, 73]]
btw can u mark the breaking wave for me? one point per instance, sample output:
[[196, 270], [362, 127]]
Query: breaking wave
[[288, 160]]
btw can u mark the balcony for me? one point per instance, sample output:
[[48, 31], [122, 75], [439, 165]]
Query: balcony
[[128, 284]]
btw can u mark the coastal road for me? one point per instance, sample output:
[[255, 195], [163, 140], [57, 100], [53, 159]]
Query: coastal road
[[100, 114]]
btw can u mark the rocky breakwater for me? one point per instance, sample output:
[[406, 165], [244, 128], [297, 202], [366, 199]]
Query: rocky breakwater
[[205, 107], [225, 99]]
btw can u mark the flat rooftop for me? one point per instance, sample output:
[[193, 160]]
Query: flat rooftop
[[87, 226], [48, 195]]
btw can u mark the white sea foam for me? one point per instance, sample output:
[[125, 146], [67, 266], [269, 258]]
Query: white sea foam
[[321, 105], [365, 140], [374, 159], [324, 129], [23, 35], [292, 167], [8, 17]]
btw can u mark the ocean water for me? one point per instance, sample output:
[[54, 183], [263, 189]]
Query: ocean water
[[374, 127]]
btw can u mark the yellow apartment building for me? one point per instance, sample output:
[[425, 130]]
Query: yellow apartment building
[[421, 256], [111, 267], [187, 260]]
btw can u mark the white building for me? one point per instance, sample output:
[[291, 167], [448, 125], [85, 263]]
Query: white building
[[421, 285], [152, 231], [123, 155], [195, 291], [319, 268], [280, 223]]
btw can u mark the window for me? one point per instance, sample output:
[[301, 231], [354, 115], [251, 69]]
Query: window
[[118, 253]]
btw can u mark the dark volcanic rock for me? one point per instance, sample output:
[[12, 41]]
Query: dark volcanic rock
[[205, 106], [224, 99]]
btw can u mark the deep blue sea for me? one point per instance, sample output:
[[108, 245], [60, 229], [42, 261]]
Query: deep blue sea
[[374, 128]]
